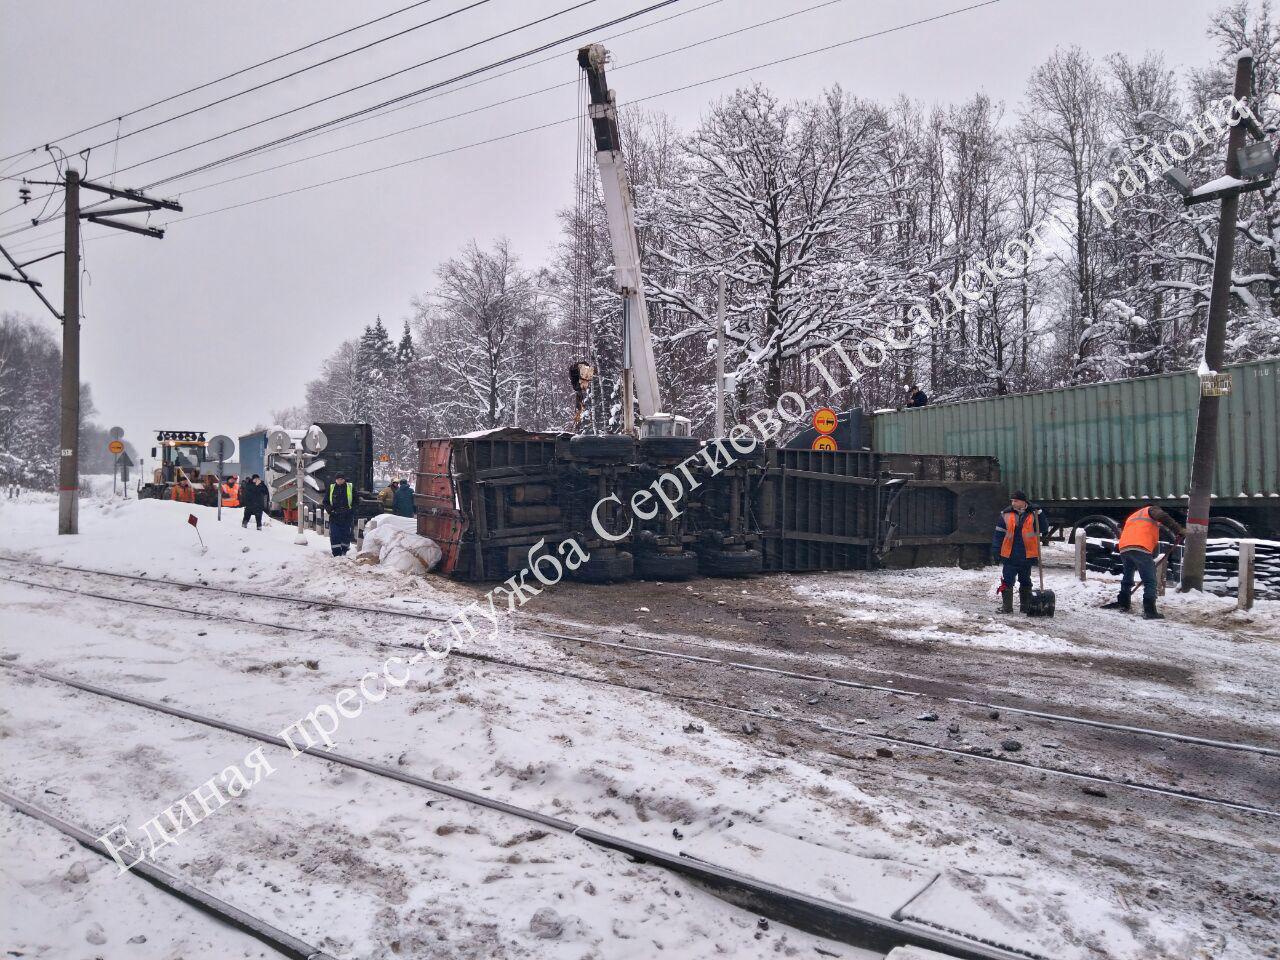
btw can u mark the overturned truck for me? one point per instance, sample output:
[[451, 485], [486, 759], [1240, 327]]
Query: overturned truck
[[670, 508]]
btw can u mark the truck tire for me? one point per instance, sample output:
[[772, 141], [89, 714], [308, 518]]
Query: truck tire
[[1098, 521], [1227, 527], [608, 447], [604, 565], [669, 448], [666, 566], [730, 563]]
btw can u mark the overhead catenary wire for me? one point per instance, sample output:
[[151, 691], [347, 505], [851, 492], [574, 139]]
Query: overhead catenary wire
[[209, 83], [367, 110], [373, 112], [488, 106], [466, 75], [287, 76], [361, 86], [552, 123], [569, 119]]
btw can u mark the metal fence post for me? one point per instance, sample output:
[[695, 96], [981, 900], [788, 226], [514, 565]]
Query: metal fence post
[[1244, 575]]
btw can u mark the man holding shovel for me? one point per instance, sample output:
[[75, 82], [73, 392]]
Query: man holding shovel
[[1139, 542], [1017, 544]]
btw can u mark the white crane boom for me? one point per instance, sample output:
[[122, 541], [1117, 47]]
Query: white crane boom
[[626, 249]]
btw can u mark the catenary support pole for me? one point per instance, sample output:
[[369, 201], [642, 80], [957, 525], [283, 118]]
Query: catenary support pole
[[68, 460], [1206, 443], [720, 356]]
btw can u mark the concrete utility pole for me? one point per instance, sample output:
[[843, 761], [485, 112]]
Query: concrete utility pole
[[138, 202], [68, 461], [1205, 453]]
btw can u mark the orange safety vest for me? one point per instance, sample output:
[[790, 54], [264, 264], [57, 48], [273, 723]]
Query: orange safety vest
[[1030, 541], [1141, 532], [231, 494], [181, 494]]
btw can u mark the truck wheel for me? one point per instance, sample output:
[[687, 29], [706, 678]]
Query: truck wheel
[[668, 448], [730, 563], [1096, 525], [608, 447], [604, 565], [1227, 527], [666, 566]]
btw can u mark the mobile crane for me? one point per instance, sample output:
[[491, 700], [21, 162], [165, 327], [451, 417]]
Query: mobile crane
[[639, 372]]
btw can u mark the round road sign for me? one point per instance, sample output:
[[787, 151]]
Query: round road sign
[[824, 421], [824, 442], [116, 447], [116, 433], [220, 448]]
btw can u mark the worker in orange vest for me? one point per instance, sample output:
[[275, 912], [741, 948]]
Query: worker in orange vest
[[1017, 545], [183, 491], [1139, 541], [231, 492]]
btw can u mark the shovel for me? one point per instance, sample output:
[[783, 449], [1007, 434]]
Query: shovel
[[1042, 601]]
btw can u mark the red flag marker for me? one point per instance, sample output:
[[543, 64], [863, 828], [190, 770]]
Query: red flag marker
[[191, 519]]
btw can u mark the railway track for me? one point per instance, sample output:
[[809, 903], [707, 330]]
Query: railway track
[[1084, 777], [648, 650], [821, 917], [282, 942]]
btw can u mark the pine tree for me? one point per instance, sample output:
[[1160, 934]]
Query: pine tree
[[405, 350]]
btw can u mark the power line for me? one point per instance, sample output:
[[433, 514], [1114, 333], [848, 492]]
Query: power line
[[287, 76], [416, 102], [210, 83], [341, 93], [544, 126], [413, 93], [521, 96], [342, 124], [367, 110]]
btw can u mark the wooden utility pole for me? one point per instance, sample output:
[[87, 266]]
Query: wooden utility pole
[[1205, 452], [69, 455]]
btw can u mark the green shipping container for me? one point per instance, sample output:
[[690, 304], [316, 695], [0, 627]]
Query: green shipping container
[[1106, 442]]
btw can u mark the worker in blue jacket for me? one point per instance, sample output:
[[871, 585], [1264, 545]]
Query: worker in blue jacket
[[1016, 546]]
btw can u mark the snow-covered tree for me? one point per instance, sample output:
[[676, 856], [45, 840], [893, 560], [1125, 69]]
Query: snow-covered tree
[[788, 201]]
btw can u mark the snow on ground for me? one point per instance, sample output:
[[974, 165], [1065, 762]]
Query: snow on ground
[[368, 867], [60, 901], [1234, 654]]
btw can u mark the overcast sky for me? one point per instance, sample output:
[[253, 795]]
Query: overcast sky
[[227, 317]]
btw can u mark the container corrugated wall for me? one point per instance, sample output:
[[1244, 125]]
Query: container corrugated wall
[[1107, 441]]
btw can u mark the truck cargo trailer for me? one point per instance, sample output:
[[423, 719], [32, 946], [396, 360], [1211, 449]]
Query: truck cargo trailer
[[1102, 448]]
